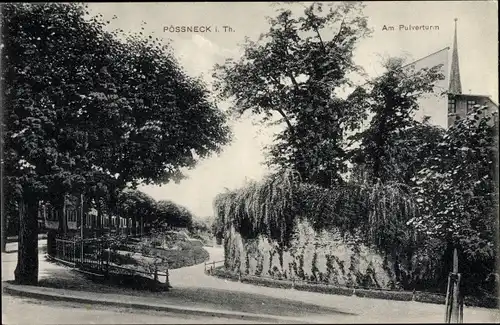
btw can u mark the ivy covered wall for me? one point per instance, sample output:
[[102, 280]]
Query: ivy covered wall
[[323, 256]]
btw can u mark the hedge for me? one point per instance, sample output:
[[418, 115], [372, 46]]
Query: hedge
[[433, 298], [222, 273], [419, 296], [266, 282], [486, 302], [384, 294], [323, 288]]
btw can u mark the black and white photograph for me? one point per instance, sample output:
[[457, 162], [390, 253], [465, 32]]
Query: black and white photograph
[[249, 162]]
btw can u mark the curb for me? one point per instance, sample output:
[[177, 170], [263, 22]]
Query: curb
[[37, 292], [333, 290]]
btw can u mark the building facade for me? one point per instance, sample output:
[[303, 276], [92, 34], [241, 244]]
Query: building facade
[[448, 104]]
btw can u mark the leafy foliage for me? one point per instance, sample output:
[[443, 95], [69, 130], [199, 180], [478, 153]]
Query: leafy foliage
[[88, 113], [136, 205], [387, 147], [292, 72], [258, 208], [456, 193], [108, 111], [172, 214], [269, 208]]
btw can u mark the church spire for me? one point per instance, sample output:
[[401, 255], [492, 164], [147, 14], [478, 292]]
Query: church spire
[[455, 84]]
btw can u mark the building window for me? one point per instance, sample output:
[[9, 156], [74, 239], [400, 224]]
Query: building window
[[452, 105], [470, 105]]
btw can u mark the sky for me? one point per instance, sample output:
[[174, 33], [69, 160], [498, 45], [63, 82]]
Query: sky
[[243, 158]]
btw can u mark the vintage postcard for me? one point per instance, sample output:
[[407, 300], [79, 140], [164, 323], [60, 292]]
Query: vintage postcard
[[249, 162]]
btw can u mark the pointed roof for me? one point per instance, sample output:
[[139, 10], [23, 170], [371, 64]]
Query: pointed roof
[[455, 84]]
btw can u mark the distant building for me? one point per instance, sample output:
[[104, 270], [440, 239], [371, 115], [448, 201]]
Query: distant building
[[448, 104], [67, 220]]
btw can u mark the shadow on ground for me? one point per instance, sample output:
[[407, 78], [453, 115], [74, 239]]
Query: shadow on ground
[[65, 278], [116, 283], [42, 250], [251, 302]]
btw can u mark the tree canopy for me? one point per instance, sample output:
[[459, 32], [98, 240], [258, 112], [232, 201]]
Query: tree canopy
[[456, 190], [458, 197], [86, 113], [413, 190], [392, 100], [173, 214], [292, 72], [136, 205]]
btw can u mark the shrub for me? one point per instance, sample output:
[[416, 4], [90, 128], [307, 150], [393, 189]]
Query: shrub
[[300, 271], [155, 243], [340, 264], [119, 258], [223, 273], [314, 267], [260, 265], [247, 263]]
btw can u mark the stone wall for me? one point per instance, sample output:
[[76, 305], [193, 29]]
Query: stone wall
[[325, 257]]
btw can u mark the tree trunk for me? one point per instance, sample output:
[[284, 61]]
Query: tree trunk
[[51, 242], [447, 263], [2, 207], [59, 207], [100, 222], [5, 227], [27, 258]]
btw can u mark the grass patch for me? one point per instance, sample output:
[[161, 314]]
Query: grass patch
[[189, 256], [120, 258]]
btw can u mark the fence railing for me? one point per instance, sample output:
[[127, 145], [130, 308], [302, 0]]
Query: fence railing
[[210, 266], [155, 274], [65, 251], [93, 255], [86, 254]]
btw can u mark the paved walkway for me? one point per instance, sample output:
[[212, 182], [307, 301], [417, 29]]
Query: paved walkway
[[16, 310], [192, 280], [193, 289]]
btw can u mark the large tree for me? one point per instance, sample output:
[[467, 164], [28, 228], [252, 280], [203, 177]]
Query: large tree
[[458, 199], [173, 214], [292, 73], [138, 206], [89, 114]]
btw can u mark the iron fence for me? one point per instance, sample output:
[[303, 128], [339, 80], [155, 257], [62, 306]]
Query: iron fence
[[65, 251], [210, 266], [88, 254], [93, 255]]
